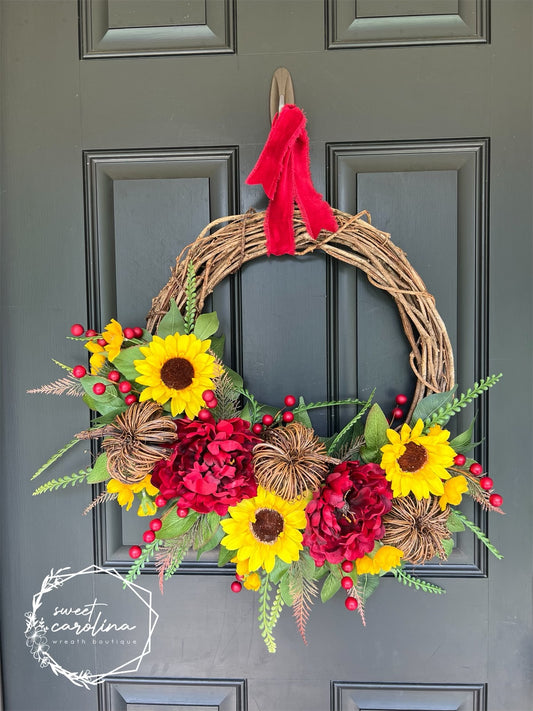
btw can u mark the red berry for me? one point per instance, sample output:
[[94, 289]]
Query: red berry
[[288, 416], [212, 403], [90, 333], [204, 415], [114, 375], [476, 469], [496, 500], [267, 420], [347, 583], [182, 512], [148, 536], [257, 428], [124, 386], [135, 552], [290, 400], [129, 333], [208, 395], [77, 329], [79, 371], [236, 586], [351, 603], [486, 483], [397, 413], [459, 460], [155, 524], [130, 399], [239, 577], [401, 399], [347, 566], [98, 388], [102, 342], [137, 332], [160, 501]]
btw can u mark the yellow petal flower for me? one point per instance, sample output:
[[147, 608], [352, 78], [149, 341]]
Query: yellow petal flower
[[114, 337], [252, 582], [387, 557], [176, 369], [415, 462], [124, 491], [364, 565], [453, 490], [260, 531]]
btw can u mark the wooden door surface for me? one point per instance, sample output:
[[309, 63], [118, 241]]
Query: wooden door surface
[[127, 125]]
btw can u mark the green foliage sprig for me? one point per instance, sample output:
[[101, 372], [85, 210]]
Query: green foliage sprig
[[147, 552], [190, 304], [269, 612], [63, 482], [443, 414], [479, 533], [55, 457], [418, 584]]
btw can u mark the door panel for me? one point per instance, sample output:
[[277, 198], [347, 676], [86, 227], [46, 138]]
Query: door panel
[[115, 155]]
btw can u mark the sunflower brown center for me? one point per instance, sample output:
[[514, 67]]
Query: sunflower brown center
[[414, 457], [267, 526], [177, 373]]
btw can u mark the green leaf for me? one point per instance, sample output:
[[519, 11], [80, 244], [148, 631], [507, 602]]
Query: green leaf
[[346, 434], [463, 442], [217, 346], [108, 402], [285, 590], [206, 325], [56, 456], [302, 415], [367, 584], [171, 323], [190, 298], [447, 544], [431, 404], [213, 542], [124, 362], [237, 380], [279, 570], [331, 585], [375, 434], [99, 471], [174, 526], [224, 556], [454, 523]]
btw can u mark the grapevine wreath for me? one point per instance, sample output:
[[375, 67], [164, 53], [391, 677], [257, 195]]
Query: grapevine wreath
[[301, 516]]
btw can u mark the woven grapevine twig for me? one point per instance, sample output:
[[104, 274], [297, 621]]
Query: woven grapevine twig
[[217, 253]]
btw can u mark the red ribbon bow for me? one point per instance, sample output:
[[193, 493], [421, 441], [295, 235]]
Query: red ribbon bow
[[283, 171]]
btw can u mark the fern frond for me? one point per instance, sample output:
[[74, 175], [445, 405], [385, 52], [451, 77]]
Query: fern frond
[[302, 591], [64, 386], [226, 395], [148, 551], [443, 414], [190, 304], [352, 450], [346, 429], [55, 457], [102, 498], [479, 533], [330, 403], [264, 617], [174, 550], [62, 365], [63, 482], [418, 584]]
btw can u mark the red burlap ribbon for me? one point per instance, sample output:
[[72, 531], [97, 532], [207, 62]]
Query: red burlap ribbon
[[283, 171]]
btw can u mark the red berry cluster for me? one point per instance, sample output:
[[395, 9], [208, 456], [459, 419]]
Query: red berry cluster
[[267, 419], [148, 537], [397, 412], [211, 402], [347, 584], [485, 482]]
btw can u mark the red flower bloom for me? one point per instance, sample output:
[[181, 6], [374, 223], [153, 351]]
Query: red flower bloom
[[211, 465], [344, 518]]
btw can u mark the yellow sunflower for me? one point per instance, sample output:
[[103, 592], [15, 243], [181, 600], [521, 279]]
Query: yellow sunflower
[[416, 462], [262, 528], [178, 369]]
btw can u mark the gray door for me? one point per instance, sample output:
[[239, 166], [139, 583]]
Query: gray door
[[127, 126]]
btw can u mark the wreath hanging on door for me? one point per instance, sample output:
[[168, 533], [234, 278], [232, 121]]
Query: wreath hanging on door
[[301, 516]]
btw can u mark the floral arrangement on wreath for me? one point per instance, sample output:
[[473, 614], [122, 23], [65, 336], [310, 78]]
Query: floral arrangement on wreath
[[301, 516]]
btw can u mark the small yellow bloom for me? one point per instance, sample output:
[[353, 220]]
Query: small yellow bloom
[[384, 559], [98, 357], [126, 492], [113, 336], [453, 490], [252, 582]]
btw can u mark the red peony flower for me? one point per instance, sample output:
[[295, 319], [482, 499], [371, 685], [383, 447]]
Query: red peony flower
[[344, 518], [211, 465]]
